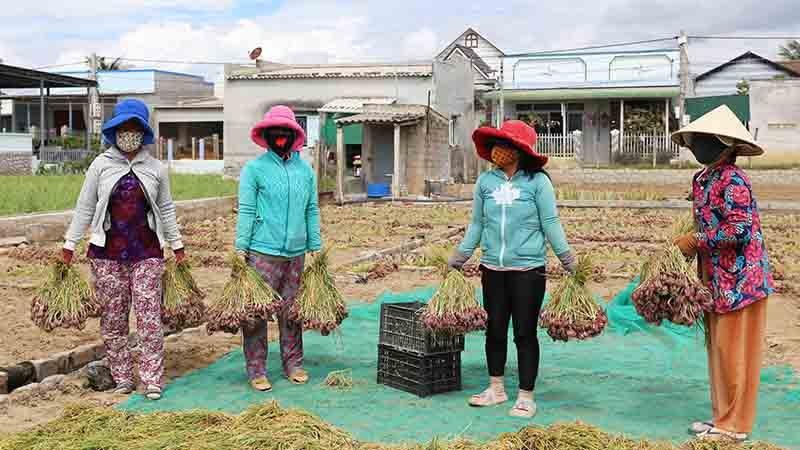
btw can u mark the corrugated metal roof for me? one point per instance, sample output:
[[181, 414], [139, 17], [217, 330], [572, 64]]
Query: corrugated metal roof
[[355, 105], [343, 71], [723, 80]]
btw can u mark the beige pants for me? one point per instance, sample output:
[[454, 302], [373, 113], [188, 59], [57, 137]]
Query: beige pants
[[735, 353]]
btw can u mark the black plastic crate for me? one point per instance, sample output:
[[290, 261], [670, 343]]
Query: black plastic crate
[[402, 329], [422, 375]]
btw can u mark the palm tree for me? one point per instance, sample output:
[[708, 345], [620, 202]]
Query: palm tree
[[103, 64], [790, 51]]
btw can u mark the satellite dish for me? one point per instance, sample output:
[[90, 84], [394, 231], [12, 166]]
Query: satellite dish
[[255, 53]]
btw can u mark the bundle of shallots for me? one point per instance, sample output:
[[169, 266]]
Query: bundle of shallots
[[319, 304], [182, 300], [246, 298], [454, 308], [65, 300], [669, 288], [572, 312]]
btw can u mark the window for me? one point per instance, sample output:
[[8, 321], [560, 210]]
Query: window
[[451, 132], [303, 121], [471, 41]]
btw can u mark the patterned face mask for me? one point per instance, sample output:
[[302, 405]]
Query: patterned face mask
[[503, 156], [129, 141]]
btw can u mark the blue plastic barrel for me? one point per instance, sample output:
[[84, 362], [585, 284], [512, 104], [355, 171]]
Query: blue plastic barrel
[[378, 190]]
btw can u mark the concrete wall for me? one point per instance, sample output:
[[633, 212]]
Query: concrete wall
[[170, 87], [775, 113], [246, 101], [426, 155], [16, 163], [454, 97]]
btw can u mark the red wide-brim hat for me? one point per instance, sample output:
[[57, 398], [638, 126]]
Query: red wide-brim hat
[[516, 132]]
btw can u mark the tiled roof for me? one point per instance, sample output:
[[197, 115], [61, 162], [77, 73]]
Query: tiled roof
[[391, 114], [354, 105], [340, 71], [477, 60]]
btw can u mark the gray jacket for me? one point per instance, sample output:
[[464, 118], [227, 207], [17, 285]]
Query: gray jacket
[[91, 210]]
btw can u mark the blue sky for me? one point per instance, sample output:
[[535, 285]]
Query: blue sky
[[46, 32]]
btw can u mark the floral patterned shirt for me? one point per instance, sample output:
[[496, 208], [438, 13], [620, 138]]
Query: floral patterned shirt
[[130, 239], [730, 238]]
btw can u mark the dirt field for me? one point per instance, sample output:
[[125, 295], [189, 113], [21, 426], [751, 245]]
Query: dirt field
[[619, 239]]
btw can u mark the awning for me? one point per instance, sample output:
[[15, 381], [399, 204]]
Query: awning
[[355, 105], [381, 118], [571, 94], [12, 77]]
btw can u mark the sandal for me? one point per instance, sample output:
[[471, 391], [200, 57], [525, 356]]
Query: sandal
[[523, 408], [716, 434], [124, 388], [298, 376], [261, 384], [489, 397], [153, 392], [700, 427]]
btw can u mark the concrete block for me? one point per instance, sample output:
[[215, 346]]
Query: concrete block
[[55, 365], [85, 354], [53, 381], [13, 241], [3, 383]]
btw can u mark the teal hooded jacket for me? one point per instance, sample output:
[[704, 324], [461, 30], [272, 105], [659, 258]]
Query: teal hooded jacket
[[278, 207], [513, 220]]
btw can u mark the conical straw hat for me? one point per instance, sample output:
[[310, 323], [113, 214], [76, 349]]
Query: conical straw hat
[[723, 123]]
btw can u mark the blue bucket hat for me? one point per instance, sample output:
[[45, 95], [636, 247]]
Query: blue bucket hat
[[130, 109]]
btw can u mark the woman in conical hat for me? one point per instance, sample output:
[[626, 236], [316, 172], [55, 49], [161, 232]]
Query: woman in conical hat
[[733, 263]]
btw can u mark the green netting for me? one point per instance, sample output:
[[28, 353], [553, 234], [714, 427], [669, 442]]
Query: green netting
[[636, 379]]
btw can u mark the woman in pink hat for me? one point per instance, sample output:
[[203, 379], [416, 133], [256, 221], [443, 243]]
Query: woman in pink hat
[[514, 217], [278, 224]]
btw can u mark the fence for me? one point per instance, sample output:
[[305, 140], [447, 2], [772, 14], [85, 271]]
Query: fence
[[205, 148], [643, 145], [558, 146], [57, 155]]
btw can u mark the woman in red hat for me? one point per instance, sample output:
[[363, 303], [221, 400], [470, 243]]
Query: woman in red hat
[[514, 217]]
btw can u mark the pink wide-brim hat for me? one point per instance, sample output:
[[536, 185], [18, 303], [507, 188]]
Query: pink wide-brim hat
[[278, 117]]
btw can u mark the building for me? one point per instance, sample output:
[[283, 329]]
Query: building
[[320, 95], [775, 116], [483, 54], [67, 109], [597, 106], [405, 147], [192, 130], [732, 77]]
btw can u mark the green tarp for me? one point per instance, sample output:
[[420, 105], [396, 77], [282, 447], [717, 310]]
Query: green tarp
[[636, 379], [740, 104]]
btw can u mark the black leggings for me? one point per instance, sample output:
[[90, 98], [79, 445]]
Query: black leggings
[[516, 295]]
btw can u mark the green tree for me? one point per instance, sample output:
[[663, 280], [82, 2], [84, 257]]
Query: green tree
[[743, 87], [107, 65], [790, 51]]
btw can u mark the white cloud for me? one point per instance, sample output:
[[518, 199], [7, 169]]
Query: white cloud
[[104, 9], [420, 44]]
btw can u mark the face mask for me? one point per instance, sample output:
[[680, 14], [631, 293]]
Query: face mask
[[707, 148], [503, 157], [129, 141], [279, 141]]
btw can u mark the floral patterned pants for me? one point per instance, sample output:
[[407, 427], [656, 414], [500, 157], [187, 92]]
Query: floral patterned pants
[[284, 277], [118, 285]]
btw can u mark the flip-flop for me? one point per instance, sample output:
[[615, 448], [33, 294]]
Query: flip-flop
[[124, 388], [298, 376], [153, 392], [261, 384], [488, 398], [523, 408], [716, 434], [700, 427]]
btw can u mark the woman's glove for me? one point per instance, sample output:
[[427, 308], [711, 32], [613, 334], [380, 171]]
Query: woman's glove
[[688, 244], [568, 262], [457, 260], [66, 256], [180, 255]]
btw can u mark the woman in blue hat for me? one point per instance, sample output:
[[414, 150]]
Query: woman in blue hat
[[126, 204]]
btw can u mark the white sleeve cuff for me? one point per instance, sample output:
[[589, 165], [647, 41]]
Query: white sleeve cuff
[[175, 245], [69, 245]]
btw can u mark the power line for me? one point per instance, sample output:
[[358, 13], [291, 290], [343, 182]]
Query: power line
[[591, 47], [748, 38], [196, 63], [53, 66]]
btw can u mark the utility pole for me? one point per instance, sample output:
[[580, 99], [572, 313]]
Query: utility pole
[[686, 82], [95, 109]]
